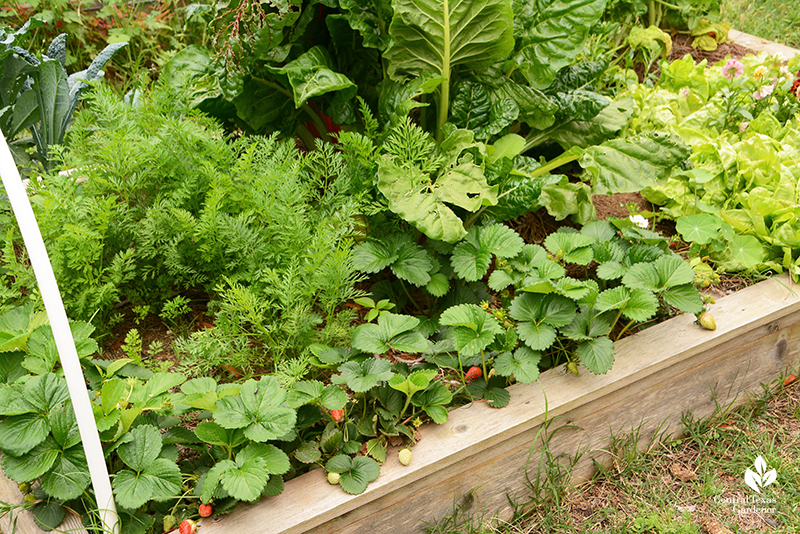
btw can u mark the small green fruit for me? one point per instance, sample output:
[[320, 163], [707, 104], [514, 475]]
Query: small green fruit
[[169, 522], [572, 367], [24, 487], [708, 322], [333, 478], [30, 498], [404, 456]]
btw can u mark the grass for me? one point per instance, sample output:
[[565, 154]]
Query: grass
[[686, 485], [776, 20]]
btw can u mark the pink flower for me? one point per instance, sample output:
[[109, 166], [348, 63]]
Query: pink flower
[[764, 91], [733, 69]]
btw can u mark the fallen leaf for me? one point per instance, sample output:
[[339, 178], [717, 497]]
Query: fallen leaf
[[791, 379], [712, 526], [681, 473]]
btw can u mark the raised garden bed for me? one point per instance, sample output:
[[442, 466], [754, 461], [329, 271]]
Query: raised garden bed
[[478, 458]]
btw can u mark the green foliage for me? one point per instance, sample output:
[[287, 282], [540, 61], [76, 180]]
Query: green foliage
[[37, 94], [739, 203]]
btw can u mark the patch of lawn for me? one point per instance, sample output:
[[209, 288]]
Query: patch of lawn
[[776, 20]]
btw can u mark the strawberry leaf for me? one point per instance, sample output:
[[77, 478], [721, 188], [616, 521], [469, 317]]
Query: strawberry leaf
[[523, 364], [69, 475], [596, 354], [258, 410], [434, 401], [361, 377], [474, 329], [356, 473], [392, 332]]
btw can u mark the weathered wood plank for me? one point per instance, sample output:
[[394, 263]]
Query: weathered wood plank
[[659, 373]]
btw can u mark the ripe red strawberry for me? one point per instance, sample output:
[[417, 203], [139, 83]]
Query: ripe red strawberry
[[187, 527], [337, 415], [205, 510], [472, 373]]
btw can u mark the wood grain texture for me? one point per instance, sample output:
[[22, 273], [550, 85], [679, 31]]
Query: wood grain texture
[[23, 521], [478, 458]]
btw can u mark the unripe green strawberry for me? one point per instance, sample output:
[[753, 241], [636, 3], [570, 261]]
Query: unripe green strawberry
[[708, 322], [404, 456], [168, 522], [572, 367], [333, 478], [24, 487], [30, 498]]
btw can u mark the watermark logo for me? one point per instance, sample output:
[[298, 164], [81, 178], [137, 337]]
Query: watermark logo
[[760, 478]]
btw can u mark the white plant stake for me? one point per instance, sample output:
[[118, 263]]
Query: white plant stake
[[63, 335]]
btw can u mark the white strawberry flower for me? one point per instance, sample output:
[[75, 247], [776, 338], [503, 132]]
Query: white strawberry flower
[[639, 221]]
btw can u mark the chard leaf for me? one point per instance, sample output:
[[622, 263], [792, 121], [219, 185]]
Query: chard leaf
[[371, 19], [596, 354], [627, 165], [436, 37], [423, 203], [312, 75], [549, 34]]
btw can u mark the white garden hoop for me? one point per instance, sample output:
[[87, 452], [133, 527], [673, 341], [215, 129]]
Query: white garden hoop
[[68, 354]]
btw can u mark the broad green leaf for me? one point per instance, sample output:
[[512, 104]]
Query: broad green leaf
[[46, 392], [501, 240], [48, 514], [307, 453], [333, 397], [363, 377], [247, 480], [523, 364], [643, 276], [628, 165], [549, 34], [573, 248], [641, 306], [499, 280], [201, 393], [611, 270], [304, 392], [471, 262], [143, 449], [600, 231], [423, 203], [553, 310], [12, 400], [416, 381], [437, 37], [69, 476], [746, 250], [21, 433], [673, 271], [596, 354], [495, 395], [392, 331], [33, 464], [412, 263], [258, 410], [377, 449], [685, 297], [434, 401], [212, 478], [275, 460], [701, 229], [474, 328], [372, 256], [64, 426], [439, 285], [162, 382], [370, 19], [588, 324], [14, 331], [312, 75], [356, 473], [508, 146], [571, 288], [159, 481], [537, 336]]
